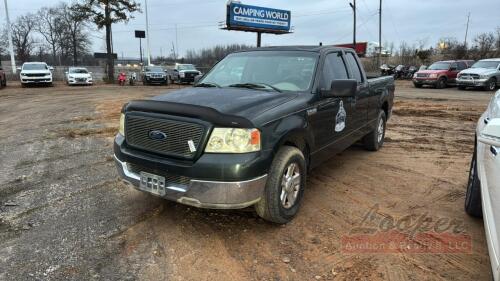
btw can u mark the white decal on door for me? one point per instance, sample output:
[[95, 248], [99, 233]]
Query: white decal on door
[[341, 118]]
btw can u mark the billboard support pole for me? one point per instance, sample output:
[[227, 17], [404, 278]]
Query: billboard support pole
[[140, 48], [259, 39]]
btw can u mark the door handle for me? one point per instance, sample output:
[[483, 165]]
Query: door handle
[[494, 150]]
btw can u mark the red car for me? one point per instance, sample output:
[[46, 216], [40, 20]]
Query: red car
[[3, 78], [441, 74]]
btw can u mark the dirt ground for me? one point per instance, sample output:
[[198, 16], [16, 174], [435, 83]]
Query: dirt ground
[[64, 214]]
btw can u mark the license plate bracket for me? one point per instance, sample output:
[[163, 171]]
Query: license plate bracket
[[152, 183]]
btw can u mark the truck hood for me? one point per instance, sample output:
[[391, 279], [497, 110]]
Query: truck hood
[[79, 75], [483, 71], [427, 71], [36, 71], [246, 103]]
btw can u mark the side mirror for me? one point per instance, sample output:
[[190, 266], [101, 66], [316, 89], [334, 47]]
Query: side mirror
[[341, 88], [51, 68], [197, 78], [453, 69], [90, 72], [175, 70], [491, 133], [18, 69], [65, 72]]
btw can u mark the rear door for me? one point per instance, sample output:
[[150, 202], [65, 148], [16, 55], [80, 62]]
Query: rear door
[[332, 120], [360, 104]]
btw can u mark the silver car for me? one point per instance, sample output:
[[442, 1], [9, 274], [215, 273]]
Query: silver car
[[483, 190], [484, 74]]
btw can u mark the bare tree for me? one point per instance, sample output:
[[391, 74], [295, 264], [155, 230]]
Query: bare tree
[[74, 29], [22, 35], [104, 13], [51, 28], [483, 44]]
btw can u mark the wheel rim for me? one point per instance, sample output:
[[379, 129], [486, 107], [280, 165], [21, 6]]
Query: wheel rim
[[290, 186], [493, 84], [380, 130]]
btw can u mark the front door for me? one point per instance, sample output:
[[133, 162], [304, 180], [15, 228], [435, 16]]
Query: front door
[[332, 118]]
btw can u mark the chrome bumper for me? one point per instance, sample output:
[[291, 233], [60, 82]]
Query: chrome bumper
[[205, 194], [471, 82]]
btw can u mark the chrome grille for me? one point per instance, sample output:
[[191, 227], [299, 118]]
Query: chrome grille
[[178, 135], [422, 75], [170, 179], [469, 76]]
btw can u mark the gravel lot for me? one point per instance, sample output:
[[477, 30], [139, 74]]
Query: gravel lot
[[64, 214]]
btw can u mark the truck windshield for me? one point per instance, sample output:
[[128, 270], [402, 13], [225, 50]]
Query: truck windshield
[[486, 64], [186, 67], [283, 70], [78, 70], [439, 66], [35, 66], [153, 69]]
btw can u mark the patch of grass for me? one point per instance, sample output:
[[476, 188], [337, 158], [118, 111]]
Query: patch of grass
[[106, 132]]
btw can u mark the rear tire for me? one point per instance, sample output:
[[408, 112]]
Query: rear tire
[[375, 140], [473, 205], [284, 188], [441, 83]]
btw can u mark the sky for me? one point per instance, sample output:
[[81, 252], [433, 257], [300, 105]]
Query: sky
[[314, 21]]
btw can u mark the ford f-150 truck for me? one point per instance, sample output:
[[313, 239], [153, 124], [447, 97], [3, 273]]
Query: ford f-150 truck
[[251, 129]]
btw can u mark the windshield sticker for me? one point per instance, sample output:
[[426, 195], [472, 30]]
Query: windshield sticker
[[341, 118]]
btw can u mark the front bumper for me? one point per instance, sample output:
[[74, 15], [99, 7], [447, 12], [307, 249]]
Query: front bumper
[[205, 194], [34, 80], [80, 82], [155, 80], [215, 181], [425, 81], [471, 82]]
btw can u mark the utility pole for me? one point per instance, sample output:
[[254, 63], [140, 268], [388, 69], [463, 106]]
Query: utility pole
[[353, 6], [148, 48], [259, 39], [467, 30], [176, 43], [11, 45], [379, 33]]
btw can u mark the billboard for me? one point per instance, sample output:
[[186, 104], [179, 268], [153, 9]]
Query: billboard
[[252, 18]]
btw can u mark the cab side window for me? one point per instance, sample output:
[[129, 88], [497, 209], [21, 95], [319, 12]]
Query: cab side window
[[461, 65], [353, 65], [333, 69], [454, 67]]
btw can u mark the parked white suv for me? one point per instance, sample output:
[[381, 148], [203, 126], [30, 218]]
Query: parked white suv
[[78, 76], [35, 73], [483, 190]]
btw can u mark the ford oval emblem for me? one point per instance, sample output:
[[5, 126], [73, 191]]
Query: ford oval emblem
[[157, 135]]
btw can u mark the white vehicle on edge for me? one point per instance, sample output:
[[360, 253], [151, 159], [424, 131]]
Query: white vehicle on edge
[[483, 190], [35, 73], [78, 76]]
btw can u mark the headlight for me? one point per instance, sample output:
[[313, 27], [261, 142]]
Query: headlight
[[122, 124], [482, 76], [182, 74], [71, 77], [433, 75], [415, 75], [233, 140]]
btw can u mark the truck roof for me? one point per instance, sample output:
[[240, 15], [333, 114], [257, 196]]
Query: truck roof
[[492, 59], [315, 48]]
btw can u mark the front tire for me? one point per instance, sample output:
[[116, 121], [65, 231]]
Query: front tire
[[375, 140], [491, 84], [441, 83], [285, 186], [473, 195]]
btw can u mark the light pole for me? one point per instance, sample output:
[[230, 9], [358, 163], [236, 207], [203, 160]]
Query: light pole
[[353, 6], [148, 48], [11, 45]]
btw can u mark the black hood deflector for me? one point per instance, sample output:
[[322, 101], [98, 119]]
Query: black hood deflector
[[187, 110]]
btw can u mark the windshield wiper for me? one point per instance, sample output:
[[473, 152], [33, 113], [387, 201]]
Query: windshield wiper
[[207, 85], [255, 86]]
